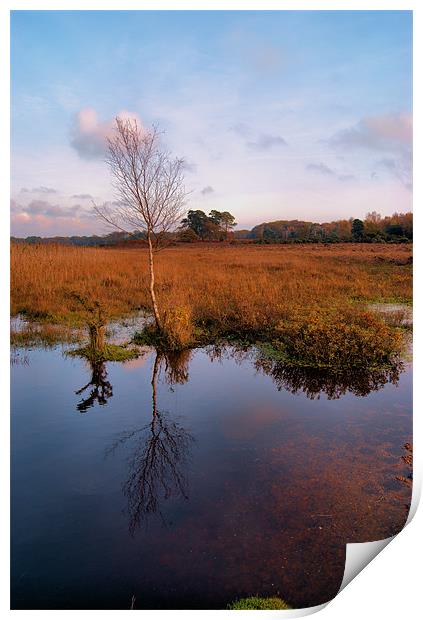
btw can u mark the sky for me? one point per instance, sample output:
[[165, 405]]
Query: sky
[[277, 115]]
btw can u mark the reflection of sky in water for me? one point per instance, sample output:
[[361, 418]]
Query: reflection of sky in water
[[274, 483]]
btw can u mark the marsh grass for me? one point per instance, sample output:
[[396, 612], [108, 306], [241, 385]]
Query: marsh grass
[[308, 301]]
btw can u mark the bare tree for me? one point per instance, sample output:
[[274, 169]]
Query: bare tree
[[149, 186]]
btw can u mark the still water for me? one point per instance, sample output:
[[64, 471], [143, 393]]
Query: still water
[[195, 480]]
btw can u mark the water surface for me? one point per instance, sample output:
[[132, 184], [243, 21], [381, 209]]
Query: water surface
[[194, 480]]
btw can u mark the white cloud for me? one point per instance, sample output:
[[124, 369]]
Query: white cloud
[[325, 171], [391, 134], [82, 196], [399, 168], [321, 169], [266, 141], [39, 190], [345, 178], [42, 207]]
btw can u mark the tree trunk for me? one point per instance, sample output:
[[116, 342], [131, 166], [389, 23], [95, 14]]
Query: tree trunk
[[152, 292], [97, 333]]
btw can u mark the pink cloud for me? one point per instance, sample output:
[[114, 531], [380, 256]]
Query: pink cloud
[[89, 134], [21, 218], [42, 218], [391, 127], [24, 225], [389, 132]]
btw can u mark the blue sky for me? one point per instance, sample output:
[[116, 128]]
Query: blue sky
[[279, 115]]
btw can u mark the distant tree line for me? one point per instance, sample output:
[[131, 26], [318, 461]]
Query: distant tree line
[[218, 226], [114, 238], [397, 228]]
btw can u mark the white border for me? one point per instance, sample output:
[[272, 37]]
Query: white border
[[389, 587]]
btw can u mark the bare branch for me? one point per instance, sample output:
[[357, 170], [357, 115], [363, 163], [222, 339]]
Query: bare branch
[[148, 182]]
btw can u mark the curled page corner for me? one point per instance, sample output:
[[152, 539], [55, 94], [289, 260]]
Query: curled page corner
[[358, 555], [415, 499]]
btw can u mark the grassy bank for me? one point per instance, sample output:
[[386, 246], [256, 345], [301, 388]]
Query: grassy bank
[[305, 300], [110, 353], [256, 602]]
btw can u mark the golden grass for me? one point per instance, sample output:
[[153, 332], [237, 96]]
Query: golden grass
[[240, 288]]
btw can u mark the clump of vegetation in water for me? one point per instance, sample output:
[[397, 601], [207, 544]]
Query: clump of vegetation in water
[[150, 337], [177, 334], [109, 353], [177, 327], [337, 338], [256, 602], [343, 337], [97, 350]]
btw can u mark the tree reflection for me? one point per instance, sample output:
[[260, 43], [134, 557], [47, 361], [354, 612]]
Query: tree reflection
[[101, 388], [313, 382], [175, 365], [157, 463], [316, 381]]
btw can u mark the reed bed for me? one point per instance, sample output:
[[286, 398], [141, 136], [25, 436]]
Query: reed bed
[[247, 283], [247, 291]]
